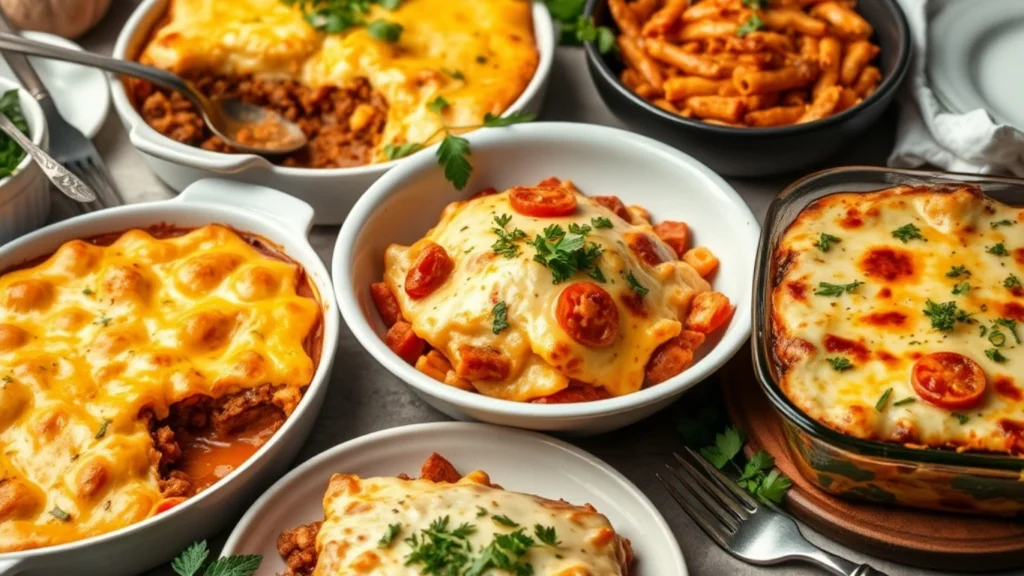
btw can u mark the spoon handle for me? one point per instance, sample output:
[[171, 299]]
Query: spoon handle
[[65, 181], [15, 43]]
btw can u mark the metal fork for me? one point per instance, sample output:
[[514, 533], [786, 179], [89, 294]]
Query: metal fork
[[753, 532], [68, 145]]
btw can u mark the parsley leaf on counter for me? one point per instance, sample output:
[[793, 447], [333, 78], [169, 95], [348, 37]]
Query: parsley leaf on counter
[[10, 153], [836, 290], [825, 242], [773, 487], [757, 476], [500, 312], [727, 445], [191, 561], [908, 232], [384, 31]]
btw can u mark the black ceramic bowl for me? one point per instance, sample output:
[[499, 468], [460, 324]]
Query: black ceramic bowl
[[759, 151]]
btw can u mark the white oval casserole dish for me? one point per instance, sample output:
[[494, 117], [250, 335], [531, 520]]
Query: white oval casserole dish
[[407, 201], [25, 194], [331, 191], [284, 221]]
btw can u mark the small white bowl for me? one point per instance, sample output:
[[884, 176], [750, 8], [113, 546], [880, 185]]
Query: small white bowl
[[330, 191], [407, 201], [25, 194]]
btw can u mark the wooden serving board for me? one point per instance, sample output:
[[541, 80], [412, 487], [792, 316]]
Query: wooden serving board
[[916, 537]]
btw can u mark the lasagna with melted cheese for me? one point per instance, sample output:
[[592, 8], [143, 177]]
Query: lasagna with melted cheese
[[137, 369], [896, 317], [353, 93], [443, 523], [540, 293]]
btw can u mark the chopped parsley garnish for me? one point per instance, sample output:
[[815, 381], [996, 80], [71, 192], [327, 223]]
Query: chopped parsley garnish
[[825, 242], [908, 232], [454, 74], [506, 245], [8, 379], [103, 429], [384, 31], [500, 313], [389, 535], [757, 476], [1012, 282], [191, 561], [998, 250], [577, 28], [566, 254], [481, 511], [1010, 324], [440, 550], [836, 290], [961, 418], [945, 316], [755, 4], [334, 16], [635, 285], [752, 24], [601, 222], [881, 401], [958, 271], [505, 521], [575, 228], [547, 535], [60, 514], [997, 338], [840, 364], [394, 152], [1001, 223], [995, 355], [961, 289], [10, 153], [908, 400], [104, 320], [87, 291]]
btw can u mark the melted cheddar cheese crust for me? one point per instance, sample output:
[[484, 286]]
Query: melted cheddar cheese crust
[[358, 511], [542, 357], [479, 56], [967, 249], [99, 341]]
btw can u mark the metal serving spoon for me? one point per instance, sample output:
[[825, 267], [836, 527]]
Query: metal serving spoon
[[65, 181], [242, 126]]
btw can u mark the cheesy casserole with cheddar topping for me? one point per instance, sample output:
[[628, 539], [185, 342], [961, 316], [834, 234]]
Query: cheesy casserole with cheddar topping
[[898, 316], [395, 525], [352, 92], [137, 369], [540, 293]]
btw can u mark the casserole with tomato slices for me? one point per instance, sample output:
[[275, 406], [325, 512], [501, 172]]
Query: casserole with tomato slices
[[541, 294], [447, 523], [138, 368], [895, 317]]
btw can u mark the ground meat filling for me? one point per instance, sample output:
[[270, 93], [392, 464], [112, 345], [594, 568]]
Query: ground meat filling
[[298, 549], [343, 124], [202, 416]]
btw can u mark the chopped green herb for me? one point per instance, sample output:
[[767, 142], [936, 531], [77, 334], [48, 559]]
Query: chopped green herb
[[389, 535], [727, 445], [757, 476], [752, 24], [881, 401], [825, 242], [601, 222], [384, 31], [995, 355], [103, 429], [1011, 325], [394, 152], [60, 514], [840, 364], [333, 16], [481, 511], [945, 316], [191, 560], [908, 232], [500, 313], [87, 291], [454, 74], [958, 271], [492, 121], [997, 338], [1001, 223], [505, 521], [506, 245], [908, 400], [8, 379], [982, 330], [755, 4], [998, 250], [105, 321], [566, 254], [961, 289], [575, 228], [961, 418], [635, 285], [10, 153], [1012, 282], [547, 535], [836, 290]]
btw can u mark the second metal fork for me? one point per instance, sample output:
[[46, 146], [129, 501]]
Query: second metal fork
[[743, 527]]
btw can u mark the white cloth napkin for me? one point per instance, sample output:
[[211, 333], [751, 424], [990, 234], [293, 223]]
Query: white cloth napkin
[[928, 133]]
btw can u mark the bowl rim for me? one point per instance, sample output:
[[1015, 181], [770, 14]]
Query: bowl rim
[[523, 134], [765, 365], [36, 124], [889, 84], [304, 255], [544, 38]]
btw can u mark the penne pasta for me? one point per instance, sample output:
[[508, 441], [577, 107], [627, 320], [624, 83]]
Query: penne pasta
[[867, 81], [639, 60], [848, 99], [809, 47], [727, 109], [846, 23], [624, 18], [830, 54], [775, 116], [793, 97], [823, 105], [858, 54], [784, 19], [703, 11], [631, 78], [684, 61], [707, 29], [760, 101], [665, 18], [683, 87], [647, 91], [753, 81], [759, 42], [644, 8]]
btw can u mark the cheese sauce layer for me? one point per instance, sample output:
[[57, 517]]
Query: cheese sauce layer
[[479, 56], [867, 285], [358, 513], [542, 357], [96, 338]]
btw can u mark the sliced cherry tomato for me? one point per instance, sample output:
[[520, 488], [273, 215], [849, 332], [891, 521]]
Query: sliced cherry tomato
[[588, 314], [948, 380], [615, 205], [386, 303], [575, 393], [708, 312], [550, 181], [404, 342], [675, 234], [168, 503], [542, 201], [432, 268], [645, 247]]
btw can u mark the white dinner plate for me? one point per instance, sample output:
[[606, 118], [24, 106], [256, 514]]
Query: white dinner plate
[[975, 58], [517, 460], [81, 94]]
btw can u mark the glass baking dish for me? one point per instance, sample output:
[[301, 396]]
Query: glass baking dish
[[846, 466]]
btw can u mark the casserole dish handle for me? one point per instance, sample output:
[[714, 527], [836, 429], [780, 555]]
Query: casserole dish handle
[[296, 215], [10, 567]]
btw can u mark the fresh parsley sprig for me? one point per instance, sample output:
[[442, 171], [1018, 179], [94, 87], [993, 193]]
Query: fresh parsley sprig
[[191, 561], [908, 232], [825, 242], [840, 364], [567, 253], [500, 313], [945, 316], [758, 475], [836, 290], [333, 16], [506, 245], [577, 28]]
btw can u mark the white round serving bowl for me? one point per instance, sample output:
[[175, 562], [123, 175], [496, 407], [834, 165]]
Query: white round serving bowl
[[284, 221], [407, 201], [521, 461], [25, 194], [331, 191]]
